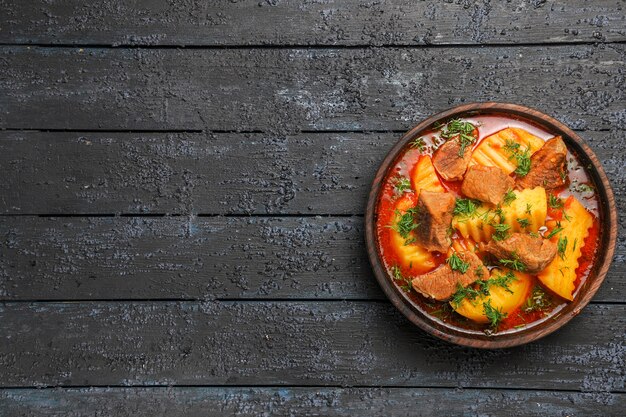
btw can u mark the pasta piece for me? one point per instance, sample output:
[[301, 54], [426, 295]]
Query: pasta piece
[[423, 176], [500, 298], [413, 258], [560, 275], [491, 150], [526, 213]]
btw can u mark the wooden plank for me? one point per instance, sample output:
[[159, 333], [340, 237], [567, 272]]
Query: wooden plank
[[216, 257], [302, 401], [289, 343], [289, 90], [187, 172], [199, 173], [200, 258], [334, 22]]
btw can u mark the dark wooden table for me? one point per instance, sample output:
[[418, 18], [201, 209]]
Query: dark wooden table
[[182, 190]]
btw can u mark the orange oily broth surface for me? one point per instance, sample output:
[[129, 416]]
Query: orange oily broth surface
[[415, 165]]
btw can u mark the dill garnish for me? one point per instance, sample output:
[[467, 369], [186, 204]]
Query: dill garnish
[[555, 202], [562, 246], [508, 197], [513, 263], [521, 157], [557, 229], [495, 315], [464, 130], [538, 300], [523, 163], [465, 207], [501, 231], [528, 207], [457, 264], [403, 282], [418, 144], [524, 222], [406, 224], [402, 184]]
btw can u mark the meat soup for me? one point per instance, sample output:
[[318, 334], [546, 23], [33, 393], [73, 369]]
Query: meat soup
[[488, 223]]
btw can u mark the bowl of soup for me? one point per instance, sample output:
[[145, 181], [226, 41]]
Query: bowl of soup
[[490, 225]]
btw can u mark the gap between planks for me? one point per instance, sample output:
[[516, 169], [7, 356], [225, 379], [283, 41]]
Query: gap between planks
[[309, 46], [390, 387]]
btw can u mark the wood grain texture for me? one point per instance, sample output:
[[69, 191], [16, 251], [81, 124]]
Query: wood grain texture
[[289, 90], [221, 173], [216, 257], [334, 22], [302, 401], [289, 343], [199, 258]]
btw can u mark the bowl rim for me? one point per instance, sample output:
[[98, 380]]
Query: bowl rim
[[608, 233]]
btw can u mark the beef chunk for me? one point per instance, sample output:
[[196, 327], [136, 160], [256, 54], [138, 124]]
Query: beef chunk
[[441, 283], [486, 184], [434, 214], [548, 166], [447, 161], [534, 253]]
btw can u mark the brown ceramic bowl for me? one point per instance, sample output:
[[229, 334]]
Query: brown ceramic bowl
[[582, 295]]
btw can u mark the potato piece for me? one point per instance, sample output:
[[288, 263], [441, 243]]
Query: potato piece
[[500, 298], [529, 206], [423, 176], [560, 275], [491, 151], [413, 258]]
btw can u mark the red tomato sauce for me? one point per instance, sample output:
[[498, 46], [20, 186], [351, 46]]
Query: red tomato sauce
[[523, 316]]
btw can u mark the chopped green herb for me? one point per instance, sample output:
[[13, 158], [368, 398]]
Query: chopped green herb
[[508, 197], [511, 147], [455, 127], [538, 300], [528, 207], [498, 212], [479, 272], [583, 188], [557, 229], [562, 246], [402, 184], [481, 287], [404, 282], [524, 223], [523, 163], [574, 244], [555, 202], [521, 157], [495, 315], [501, 231], [443, 313], [464, 130], [406, 224], [503, 281], [463, 293], [465, 140], [514, 263], [457, 264], [465, 207], [418, 143]]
